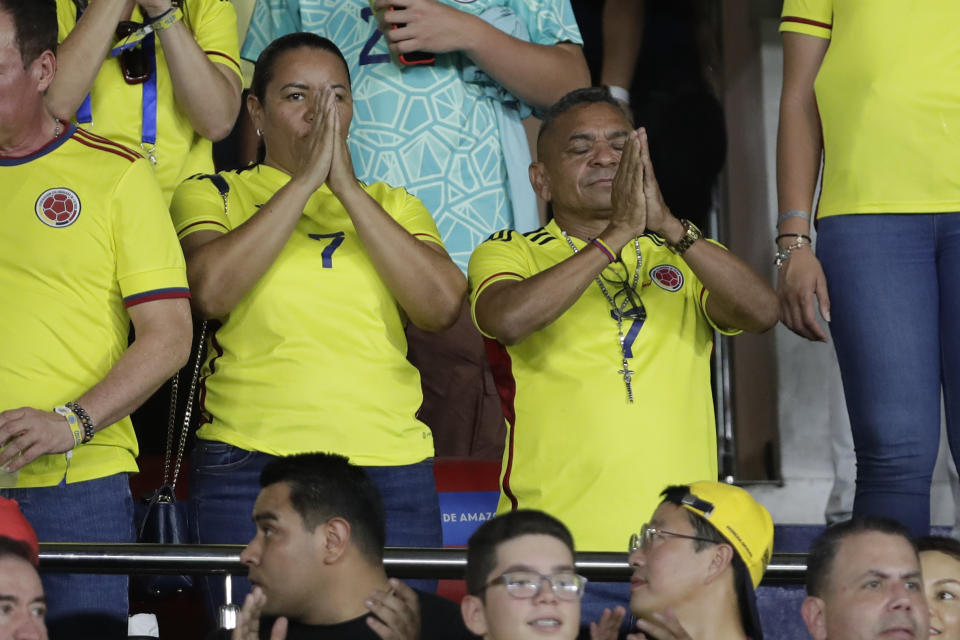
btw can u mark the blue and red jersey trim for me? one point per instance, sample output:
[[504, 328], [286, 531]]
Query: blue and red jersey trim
[[53, 145], [156, 294]]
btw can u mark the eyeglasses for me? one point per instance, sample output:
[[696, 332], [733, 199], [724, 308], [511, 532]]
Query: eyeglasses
[[644, 539], [133, 61], [527, 584], [625, 296]]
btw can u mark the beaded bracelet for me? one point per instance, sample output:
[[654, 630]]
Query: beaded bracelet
[[600, 244], [781, 256], [85, 420]]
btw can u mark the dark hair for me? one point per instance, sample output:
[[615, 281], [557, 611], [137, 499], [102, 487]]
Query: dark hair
[[326, 485], [942, 544], [577, 97], [35, 24], [482, 546], [267, 61], [824, 548], [10, 548]]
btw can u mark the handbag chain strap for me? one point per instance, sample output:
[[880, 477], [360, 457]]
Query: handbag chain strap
[[187, 414]]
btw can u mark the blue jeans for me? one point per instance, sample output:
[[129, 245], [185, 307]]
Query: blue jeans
[[82, 605], [894, 285], [225, 482]]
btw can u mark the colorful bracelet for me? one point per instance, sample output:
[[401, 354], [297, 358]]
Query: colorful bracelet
[[85, 420], [72, 422], [607, 251]]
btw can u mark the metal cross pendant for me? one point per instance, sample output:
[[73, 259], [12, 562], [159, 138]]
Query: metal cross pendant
[[627, 379]]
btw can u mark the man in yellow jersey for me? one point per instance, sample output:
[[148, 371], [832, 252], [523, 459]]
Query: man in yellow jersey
[[603, 321], [159, 76], [864, 583], [697, 564], [86, 247]]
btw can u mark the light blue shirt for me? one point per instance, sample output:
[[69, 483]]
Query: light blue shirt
[[421, 127]]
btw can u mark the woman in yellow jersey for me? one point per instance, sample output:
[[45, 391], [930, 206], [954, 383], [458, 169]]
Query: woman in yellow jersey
[[310, 276], [940, 561]]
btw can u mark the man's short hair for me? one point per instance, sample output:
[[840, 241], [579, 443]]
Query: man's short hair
[[326, 485], [10, 548], [824, 548], [482, 546], [35, 25], [577, 97]]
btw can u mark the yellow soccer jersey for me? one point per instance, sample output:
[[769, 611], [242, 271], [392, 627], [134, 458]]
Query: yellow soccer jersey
[[888, 92], [313, 358], [117, 108], [577, 448], [85, 235]]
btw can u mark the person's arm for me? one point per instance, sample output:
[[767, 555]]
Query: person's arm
[[162, 345], [799, 145], [739, 297], [81, 53], [622, 37], [511, 310], [421, 276], [208, 92], [537, 74]]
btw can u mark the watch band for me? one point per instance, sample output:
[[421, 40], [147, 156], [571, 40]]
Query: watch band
[[690, 235]]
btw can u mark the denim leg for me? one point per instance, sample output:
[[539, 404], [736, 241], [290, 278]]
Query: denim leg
[[948, 267], [882, 279], [80, 605], [409, 496], [224, 484]]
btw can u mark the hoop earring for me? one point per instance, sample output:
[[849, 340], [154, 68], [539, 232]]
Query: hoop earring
[[259, 133]]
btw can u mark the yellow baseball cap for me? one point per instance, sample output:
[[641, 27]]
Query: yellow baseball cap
[[741, 520]]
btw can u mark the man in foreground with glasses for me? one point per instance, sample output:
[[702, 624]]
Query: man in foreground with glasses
[[697, 564], [521, 581], [601, 326], [316, 562]]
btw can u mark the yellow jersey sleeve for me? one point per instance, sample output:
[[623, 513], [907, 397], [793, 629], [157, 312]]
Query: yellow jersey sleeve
[[408, 211], [214, 25], [198, 206], [703, 294], [150, 263], [501, 257], [809, 17]]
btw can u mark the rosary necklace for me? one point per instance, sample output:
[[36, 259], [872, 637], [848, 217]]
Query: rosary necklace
[[618, 311]]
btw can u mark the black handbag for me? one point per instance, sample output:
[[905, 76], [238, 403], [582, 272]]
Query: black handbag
[[165, 519]]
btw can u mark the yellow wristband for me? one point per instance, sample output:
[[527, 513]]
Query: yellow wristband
[[73, 422]]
